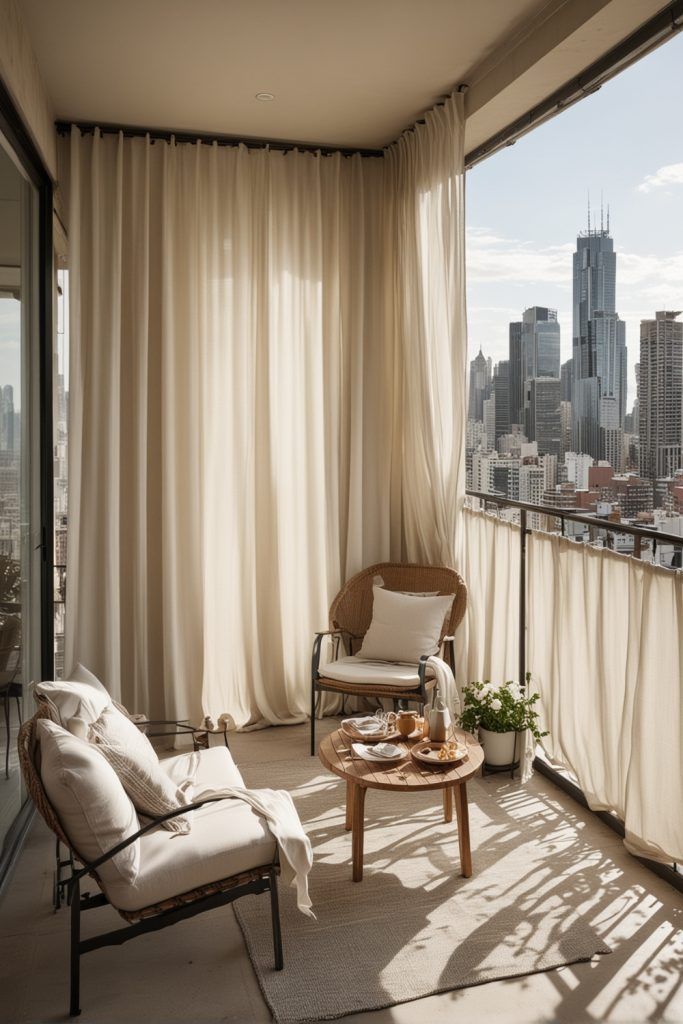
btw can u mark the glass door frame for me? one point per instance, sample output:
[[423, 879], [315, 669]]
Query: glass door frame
[[41, 345]]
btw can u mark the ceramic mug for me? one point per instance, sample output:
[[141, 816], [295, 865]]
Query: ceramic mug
[[405, 722]]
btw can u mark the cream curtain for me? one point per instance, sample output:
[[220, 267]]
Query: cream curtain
[[255, 357], [488, 642], [426, 180], [605, 645]]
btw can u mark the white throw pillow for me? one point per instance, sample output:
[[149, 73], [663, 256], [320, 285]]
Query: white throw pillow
[[115, 728], [146, 783], [81, 674], [74, 700], [404, 627], [90, 802]]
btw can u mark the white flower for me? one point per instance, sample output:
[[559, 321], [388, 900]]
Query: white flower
[[485, 690], [496, 705]]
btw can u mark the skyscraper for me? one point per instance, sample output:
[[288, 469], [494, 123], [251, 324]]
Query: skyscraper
[[478, 387], [599, 345], [540, 343], [542, 413], [489, 417], [566, 376], [660, 394], [501, 393], [7, 418], [515, 372]]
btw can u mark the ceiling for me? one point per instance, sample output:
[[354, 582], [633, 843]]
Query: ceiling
[[348, 73]]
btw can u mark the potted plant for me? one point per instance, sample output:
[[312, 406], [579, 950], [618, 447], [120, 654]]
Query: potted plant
[[501, 714]]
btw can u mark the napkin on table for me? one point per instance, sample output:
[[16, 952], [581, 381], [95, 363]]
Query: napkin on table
[[369, 725]]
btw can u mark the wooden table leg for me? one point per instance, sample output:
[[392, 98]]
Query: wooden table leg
[[463, 818], [448, 804], [349, 806], [357, 815]]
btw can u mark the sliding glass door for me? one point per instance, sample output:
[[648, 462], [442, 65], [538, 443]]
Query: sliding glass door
[[21, 552]]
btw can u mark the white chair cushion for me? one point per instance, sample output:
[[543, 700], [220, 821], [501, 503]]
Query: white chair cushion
[[74, 699], [227, 838], [404, 626], [358, 671], [90, 802], [135, 762], [203, 768]]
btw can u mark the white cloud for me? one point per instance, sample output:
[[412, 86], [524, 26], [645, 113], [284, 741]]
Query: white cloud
[[670, 174], [493, 258]]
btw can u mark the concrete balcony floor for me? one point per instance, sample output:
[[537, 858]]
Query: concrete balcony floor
[[641, 915]]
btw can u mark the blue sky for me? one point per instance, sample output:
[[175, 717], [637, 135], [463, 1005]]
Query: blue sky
[[526, 204]]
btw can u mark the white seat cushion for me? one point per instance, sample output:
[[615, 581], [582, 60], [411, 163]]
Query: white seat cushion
[[226, 838], [359, 671]]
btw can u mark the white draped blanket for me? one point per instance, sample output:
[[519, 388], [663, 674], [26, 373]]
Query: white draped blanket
[[276, 806], [443, 683]]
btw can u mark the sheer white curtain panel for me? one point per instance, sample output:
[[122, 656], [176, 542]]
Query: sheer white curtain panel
[[267, 394], [231, 428], [488, 642], [426, 178], [605, 645]]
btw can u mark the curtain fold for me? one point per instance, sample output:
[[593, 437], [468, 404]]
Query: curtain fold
[[605, 646], [426, 176], [256, 350]]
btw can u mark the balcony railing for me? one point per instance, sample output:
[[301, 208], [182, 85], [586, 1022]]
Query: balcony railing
[[617, 684]]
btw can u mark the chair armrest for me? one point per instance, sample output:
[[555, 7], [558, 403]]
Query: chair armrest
[[317, 645], [87, 868], [176, 726]]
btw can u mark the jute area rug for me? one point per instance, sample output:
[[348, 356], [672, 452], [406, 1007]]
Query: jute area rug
[[414, 926]]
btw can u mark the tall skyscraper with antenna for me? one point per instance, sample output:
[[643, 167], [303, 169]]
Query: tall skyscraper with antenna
[[598, 347]]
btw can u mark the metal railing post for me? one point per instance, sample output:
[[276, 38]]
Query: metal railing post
[[522, 596]]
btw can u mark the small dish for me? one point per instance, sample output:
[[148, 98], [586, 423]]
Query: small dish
[[428, 753], [380, 737]]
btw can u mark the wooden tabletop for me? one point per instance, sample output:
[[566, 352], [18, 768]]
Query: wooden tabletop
[[408, 774]]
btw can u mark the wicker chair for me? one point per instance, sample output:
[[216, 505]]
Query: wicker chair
[[147, 919], [350, 617]]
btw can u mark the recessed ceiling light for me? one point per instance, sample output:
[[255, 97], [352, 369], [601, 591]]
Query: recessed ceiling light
[[265, 97]]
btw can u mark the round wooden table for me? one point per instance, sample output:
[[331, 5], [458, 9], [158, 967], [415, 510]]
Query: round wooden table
[[406, 776]]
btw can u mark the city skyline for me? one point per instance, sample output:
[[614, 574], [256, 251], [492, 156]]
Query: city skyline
[[526, 202]]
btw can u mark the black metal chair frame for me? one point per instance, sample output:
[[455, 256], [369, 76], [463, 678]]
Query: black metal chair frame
[[10, 690], [267, 882]]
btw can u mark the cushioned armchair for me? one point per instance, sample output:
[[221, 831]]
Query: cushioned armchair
[[151, 877], [350, 618]]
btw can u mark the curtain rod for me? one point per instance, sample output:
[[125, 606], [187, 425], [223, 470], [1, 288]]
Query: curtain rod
[[648, 37], [163, 135]]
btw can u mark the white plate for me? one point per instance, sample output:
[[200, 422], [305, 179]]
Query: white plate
[[367, 753], [431, 756]]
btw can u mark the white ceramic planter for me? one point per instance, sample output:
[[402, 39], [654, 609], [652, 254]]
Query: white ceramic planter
[[499, 747]]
